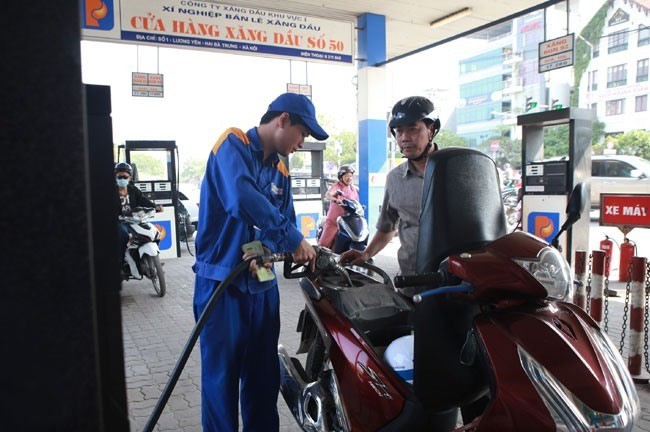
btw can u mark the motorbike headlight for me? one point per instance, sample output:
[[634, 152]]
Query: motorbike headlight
[[569, 413], [551, 270]]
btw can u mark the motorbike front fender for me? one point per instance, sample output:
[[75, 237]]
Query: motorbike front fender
[[150, 249]]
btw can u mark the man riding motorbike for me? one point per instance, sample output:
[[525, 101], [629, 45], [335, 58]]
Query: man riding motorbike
[[130, 197], [336, 194]]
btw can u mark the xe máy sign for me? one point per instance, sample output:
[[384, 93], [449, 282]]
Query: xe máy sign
[[625, 210], [213, 26]]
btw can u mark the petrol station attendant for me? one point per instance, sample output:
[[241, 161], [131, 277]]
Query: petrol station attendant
[[246, 196]]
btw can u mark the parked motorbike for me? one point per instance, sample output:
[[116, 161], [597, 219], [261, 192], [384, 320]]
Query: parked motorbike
[[512, 207], [353, 229], [142, 256], [490, 331]]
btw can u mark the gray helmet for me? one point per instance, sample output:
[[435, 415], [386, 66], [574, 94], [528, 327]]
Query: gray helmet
[[344, 170], [123, 167], [411, 109]]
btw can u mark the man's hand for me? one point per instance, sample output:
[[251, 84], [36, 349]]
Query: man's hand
[[354, 257], [305, 253], [159, 208], [253, 265]]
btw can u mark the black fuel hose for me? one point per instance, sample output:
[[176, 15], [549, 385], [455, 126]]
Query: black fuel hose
[[191, 341]]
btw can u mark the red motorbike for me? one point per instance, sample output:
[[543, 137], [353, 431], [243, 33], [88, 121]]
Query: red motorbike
[[490, 333]]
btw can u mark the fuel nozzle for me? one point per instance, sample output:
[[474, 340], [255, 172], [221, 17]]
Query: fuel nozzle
[[325, 260]]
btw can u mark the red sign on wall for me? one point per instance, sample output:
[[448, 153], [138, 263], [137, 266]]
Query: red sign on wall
[[625, 210]]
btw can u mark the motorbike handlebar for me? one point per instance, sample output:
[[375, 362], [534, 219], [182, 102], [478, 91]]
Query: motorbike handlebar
[[432, 280]]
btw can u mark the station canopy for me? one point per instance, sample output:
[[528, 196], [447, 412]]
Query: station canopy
[[409, 22]]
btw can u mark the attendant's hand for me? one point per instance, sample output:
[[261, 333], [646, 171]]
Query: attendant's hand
[[253, 265], [305, 253]]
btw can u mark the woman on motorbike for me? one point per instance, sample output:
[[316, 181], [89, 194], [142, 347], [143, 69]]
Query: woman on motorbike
[[336, 194]]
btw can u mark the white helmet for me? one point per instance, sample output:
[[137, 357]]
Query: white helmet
[[399, 355]]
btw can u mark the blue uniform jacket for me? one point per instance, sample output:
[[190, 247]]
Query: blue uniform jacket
[[243, 198]]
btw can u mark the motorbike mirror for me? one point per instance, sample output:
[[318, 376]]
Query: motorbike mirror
[[574, 209]]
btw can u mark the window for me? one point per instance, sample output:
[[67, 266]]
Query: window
[[616, 76], [594, 106], [614, 107], [644, 35], [642, 70], [593, 80], [641, 103], [596, 52], [614, 168], [595, 168], [617, 42]]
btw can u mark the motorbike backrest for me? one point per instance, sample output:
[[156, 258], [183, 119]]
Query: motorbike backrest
[[461, 205], [461, 211]]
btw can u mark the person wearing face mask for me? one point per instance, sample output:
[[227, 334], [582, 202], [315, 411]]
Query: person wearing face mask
[[246, 197], [414, 130], [130, 197]]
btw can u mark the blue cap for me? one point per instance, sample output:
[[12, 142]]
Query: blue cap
[[301, 106]]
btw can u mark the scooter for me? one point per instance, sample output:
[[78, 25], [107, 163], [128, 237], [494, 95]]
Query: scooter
[[353, 229], [489, 332], [512, 206], [142, 255]]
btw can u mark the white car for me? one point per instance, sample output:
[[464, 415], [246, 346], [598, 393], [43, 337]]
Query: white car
[[191, 205], [618, 174]]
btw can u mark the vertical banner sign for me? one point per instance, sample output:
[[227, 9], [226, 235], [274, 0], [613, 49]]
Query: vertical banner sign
[[213, 26]]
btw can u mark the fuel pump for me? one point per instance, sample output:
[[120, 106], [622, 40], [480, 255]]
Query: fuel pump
[[306, 168], [548, 182], [155, 174]]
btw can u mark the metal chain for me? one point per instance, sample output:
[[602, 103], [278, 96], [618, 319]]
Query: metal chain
[[645, 314], [626, 308], [625, 311], [588, 287], [606, 295]]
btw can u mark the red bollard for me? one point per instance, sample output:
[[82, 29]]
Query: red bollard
[[637, 308], [608, 246], [580, 297], [597, 285]]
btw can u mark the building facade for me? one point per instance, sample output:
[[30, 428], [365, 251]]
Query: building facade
[[616, 84]]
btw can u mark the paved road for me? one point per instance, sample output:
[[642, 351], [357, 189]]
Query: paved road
[[156, 329]]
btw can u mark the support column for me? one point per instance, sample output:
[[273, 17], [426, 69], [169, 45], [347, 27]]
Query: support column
[[372, 109]]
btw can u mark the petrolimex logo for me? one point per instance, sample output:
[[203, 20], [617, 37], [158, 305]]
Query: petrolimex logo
[[97, 14], [544, 225]]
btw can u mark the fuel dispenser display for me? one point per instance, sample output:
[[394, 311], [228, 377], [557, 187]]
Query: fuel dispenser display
[[306, 167], [154, 173], [548, 182]]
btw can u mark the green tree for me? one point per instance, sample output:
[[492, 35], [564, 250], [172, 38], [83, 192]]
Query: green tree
[[446, 138], [556, 141], [509, 148], [192, 171], [636, 143], [148, 167]]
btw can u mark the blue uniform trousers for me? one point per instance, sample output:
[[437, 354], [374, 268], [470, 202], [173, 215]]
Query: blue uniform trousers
[[239, 358]]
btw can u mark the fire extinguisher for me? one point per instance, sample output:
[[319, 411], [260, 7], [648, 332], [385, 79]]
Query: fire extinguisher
[[628, 250], [607, 245]]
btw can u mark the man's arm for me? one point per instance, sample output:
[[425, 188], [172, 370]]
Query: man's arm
[[232, 171]]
